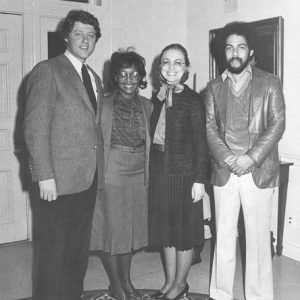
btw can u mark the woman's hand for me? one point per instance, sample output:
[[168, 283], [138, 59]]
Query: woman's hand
[[198, 191]]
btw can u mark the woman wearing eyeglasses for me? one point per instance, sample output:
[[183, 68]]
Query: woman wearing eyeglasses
[[179, 166], [120, 223]]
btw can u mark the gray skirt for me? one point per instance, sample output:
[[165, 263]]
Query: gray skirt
[[120, 222]]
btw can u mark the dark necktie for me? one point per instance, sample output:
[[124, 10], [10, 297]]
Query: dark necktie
[[88, 86]]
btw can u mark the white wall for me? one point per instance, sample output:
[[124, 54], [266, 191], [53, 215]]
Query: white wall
[[148, 26], [204, 15]]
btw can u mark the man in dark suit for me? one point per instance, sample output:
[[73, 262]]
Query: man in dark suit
[[64, 140], [245, 120]]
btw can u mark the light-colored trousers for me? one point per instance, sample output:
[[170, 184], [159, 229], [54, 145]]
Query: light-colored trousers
[[257, 208]]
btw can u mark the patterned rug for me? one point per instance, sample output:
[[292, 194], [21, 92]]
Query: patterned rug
[[103, 295]]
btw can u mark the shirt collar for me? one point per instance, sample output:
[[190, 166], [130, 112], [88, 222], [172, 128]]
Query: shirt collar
[[228, 74], [75, 61]]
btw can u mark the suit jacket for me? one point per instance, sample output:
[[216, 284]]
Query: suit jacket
[[106, 127], [266, 126], [61, 129]]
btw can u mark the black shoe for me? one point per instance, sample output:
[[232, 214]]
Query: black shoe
[[95, 297], [182, 294], [111, 294], [133, 294], [158, 295]]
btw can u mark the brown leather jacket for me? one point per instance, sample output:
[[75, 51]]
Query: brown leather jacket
[[266, 126]]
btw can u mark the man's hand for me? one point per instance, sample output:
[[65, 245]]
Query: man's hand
[[241, 164], [48, 189], [198, 191]]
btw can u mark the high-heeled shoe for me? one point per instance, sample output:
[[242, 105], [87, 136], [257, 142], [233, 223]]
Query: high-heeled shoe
[[111, 294], [182, 294], [158, 295], [133, 294]]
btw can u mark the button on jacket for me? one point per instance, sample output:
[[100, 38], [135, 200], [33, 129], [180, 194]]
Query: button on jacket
[[266, 126]]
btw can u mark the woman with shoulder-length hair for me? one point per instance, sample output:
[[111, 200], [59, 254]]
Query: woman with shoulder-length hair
[[120, 219], [179, 167]]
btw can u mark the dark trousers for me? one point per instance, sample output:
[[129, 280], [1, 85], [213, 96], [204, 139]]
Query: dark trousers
[[63, 245]]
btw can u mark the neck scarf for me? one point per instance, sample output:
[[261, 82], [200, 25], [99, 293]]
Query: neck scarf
[[166, 91]]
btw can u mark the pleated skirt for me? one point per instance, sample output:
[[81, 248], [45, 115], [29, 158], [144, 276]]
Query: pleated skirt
[[174, 220], [120, 222]]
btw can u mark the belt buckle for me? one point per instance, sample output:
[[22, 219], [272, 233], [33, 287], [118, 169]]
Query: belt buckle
[[133, 149]]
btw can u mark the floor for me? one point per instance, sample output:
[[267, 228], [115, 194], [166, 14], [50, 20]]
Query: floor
[[15, 273]]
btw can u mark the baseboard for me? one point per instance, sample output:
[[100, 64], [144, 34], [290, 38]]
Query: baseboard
[[291, 251]]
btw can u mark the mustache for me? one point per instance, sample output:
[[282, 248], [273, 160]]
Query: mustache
[[235, 58]]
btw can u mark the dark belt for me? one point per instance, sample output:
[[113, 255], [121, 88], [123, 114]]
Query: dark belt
[[159, 147], [129, 149]]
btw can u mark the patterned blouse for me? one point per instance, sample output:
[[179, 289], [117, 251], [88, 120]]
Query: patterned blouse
[[128, 126]]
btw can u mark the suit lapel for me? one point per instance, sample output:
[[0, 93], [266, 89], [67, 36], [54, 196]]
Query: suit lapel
[[255, 94], [75, 79], [220, 92], [99, 94]]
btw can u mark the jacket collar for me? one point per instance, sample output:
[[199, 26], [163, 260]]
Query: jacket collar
[[220, 91], [71, 74], [228, 74]]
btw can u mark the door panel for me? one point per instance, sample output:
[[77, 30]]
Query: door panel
[[13, 200]]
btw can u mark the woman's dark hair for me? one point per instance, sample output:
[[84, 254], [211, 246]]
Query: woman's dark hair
[[243, 29], [127, 59], [79, 16], [185, 54]]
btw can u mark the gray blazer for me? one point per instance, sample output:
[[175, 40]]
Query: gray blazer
[[266, 126], [61, 129], [106, 126]]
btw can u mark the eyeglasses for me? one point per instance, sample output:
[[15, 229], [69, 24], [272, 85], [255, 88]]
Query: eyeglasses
[[177, 64], [134, 76], [79, 35]]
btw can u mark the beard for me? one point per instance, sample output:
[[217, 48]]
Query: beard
[[240, 69]]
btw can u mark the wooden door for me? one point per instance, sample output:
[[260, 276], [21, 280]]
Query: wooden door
[[13, 198]]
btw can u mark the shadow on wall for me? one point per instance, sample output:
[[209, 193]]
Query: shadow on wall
[[24, 171], [107, 81], [154, 74]]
